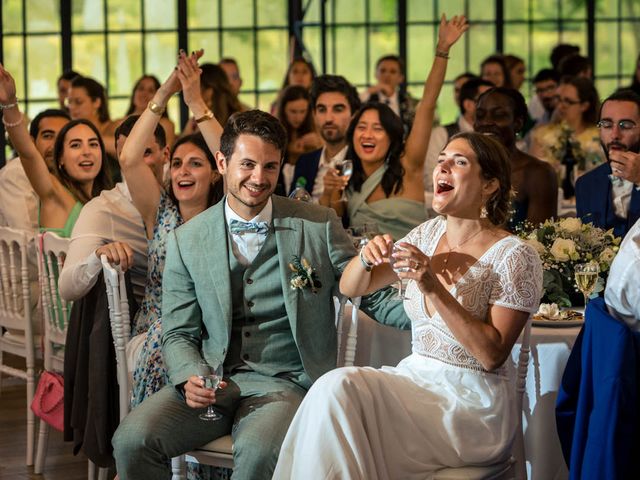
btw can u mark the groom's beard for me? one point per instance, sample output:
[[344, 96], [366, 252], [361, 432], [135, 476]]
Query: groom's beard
[[634, 147]]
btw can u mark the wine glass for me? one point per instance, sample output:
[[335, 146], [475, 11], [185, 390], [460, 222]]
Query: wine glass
[[211, 373], [345, 169], [586, 275], [402, 282]]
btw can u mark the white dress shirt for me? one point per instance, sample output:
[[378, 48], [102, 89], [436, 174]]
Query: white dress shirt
[[622, 294], [621, 191], [393, 102], [323, 167], [107, 218], [246, 247], [18, 200]]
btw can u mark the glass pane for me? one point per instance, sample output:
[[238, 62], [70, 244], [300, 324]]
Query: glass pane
[[202, 14], [118, 107], [12, 48], [43, 15], [351, 62], [87, 15], [606, 87], [348, 11], [573, 10], [448, 111], [248, 99], [162, 51], [207, 40], [265, 101], [482, 39], [160, 14], [420, 10], [485, 10], [515, 9], [173, 111], [631, 43], [89, 56], [383, 41], [11, 16], [543, 38], [313, 42], [383, 10], [450, 8], [124, 15], [273, 13], [575, 33], [313, 10], [125, 62], [239, 44], [516, 42], [238, 13], [608, 8], [34, 108], [272, 58], [44, 65], [419, 41], [545, 9], [606, 50]]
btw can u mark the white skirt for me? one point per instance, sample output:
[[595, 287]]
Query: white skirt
[[399, 423]]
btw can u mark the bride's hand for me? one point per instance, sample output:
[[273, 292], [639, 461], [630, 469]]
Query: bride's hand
[[378, 249], [420, 266]]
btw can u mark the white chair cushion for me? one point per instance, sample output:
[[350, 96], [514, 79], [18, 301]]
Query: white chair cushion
[[219, 445]]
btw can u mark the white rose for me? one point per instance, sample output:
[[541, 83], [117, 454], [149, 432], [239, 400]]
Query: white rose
[[536, 245], [549, 310], [563, 249], [571, 224], [607, 255]]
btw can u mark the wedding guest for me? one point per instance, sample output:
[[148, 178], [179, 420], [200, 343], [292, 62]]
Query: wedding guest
[[64, 85], [458, 82], [230, 67], [254, 319], [494, 69], [609, 196], [543, 104], [78, 174], [300, 72], [471, 289], [575, 66], [517, 70], [387, 185], [502, 112], [561, 51]]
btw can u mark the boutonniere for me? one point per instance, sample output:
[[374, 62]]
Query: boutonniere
[[304, 275]]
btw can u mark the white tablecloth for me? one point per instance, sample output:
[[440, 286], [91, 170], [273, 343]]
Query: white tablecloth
[[550, 347]]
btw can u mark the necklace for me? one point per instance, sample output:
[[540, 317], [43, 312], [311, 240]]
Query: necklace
[[446, 259]]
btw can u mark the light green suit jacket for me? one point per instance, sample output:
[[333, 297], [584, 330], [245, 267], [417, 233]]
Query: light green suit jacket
[[196, 287]]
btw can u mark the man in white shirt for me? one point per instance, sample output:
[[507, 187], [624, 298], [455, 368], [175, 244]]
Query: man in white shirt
[[18, 200], [334, 101], [622, 294], [110, 224]]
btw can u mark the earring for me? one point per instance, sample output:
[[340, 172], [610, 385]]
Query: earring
[[483, 212]]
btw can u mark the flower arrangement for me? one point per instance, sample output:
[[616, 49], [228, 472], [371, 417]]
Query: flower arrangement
[[561, 245], [562, 135], [304, 275]]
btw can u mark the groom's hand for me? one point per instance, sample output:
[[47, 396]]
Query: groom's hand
[[197, 396]]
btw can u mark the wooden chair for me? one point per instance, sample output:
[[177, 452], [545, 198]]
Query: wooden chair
[[16, 301]]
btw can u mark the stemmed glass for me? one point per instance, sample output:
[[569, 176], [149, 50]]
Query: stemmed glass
[[586, 275], [211, 373], [402, 282], [345, 169]]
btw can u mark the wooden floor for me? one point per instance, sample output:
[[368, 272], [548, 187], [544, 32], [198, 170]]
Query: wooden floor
[[60, 464]]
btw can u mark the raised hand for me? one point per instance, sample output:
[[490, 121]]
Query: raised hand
[[451, 31], [378, 249], [7, 87], [188, 72], [626, 165]]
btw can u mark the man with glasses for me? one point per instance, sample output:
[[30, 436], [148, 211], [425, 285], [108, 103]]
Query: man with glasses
[[609, 195], [544, 103]]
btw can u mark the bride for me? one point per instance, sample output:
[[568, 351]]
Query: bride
[[472, 287]]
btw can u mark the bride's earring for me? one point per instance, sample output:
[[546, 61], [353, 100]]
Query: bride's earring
[[483, 212]]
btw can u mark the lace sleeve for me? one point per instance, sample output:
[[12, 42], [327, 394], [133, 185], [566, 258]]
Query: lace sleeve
[[519, 279]]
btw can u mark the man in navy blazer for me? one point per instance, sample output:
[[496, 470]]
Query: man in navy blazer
[[609, 195], [334, 100]]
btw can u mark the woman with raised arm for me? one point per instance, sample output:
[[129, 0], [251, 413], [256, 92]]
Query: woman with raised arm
[[78, 171], [194, 185], [471, 289], [387, 184]]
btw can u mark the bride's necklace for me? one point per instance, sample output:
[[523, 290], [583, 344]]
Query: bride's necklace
[[451, 249]]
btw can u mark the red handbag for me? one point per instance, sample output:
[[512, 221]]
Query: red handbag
[[48, 401]]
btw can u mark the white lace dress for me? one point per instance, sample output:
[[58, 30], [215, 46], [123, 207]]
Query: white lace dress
[[438, 407]]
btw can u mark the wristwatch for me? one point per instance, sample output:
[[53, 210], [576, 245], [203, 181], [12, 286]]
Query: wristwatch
[[155, 108], [208, 115]]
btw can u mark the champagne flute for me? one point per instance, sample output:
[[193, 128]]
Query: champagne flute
[[393, 261], [586, 275], [211, 373], [345, 169]]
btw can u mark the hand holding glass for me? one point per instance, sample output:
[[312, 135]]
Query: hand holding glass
[[212, 376], [345, 169], [586, 275], [393, 261]]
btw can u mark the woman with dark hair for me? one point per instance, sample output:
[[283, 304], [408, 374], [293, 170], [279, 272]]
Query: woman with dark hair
[[387, 186], [142, 93], [294, 112], [194, 185], [300, 72], [517, 70], [573, 126], [78, 174], [494, 69], [471, 287]]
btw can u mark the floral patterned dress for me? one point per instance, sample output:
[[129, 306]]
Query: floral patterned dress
[[150, 374]]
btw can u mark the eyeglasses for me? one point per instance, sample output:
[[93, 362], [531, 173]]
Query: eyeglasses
[[623, 125], [541, 90], [568, 101]]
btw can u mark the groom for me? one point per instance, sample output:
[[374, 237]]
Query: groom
[[230, 294]]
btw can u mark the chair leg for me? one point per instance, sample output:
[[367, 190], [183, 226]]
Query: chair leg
[[91, 470], [103, 473], [41, 453], [178, 468], [31, 421]]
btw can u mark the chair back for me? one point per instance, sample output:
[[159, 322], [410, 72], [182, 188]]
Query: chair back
[[347, 325], [517, 451], [120, 328], [52, 251]]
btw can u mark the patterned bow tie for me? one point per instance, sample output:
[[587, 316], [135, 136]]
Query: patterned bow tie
[[616, 181], [239, 228]]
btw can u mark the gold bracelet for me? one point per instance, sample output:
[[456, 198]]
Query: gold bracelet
[[155, 108], [13, 124], [208, 115], [442, 54]]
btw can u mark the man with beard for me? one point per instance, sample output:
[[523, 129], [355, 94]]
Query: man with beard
[[18, 200], [334, 100], [502, 112], [609, 195], [544, 103], [248, 283]]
